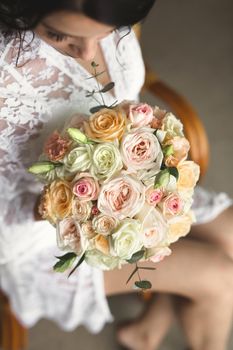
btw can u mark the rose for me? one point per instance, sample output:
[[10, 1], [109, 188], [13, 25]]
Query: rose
[[106, 125], [87, 229], [172, 205], [180, 226], [140, 114], [180, 147], [154, 196], [172, 126], [158, 254], [81, 210], [188, 175], [121, 197], [104, 224], [140, 149], [158, 116], [99, 260], [154, 228], [126, 240], [69, 236], [56, 147], [56, 202], [85, 187], [79, 159], [102, 244], [106, 161]]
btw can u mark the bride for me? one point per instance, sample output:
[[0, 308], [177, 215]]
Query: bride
[[45, 54]]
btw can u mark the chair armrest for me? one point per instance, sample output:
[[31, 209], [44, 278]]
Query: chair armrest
[[193, 127]]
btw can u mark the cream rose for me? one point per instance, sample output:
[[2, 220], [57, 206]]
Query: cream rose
[[140, 149], [154, 228], [69, 236], [180, 147], [140, 114], [79, 159], [104, 224], [180, 226], [172, 126], [106, 161], [127, 239], [81, 210], [88, 230], [106, 125], [99, 260], [85, 187], [189, 173], [121, 197], [56, 202]]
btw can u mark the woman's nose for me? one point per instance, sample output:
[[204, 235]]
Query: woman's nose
[[84, 49]]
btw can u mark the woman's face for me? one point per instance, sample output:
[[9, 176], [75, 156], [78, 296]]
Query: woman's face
[[74, 35]]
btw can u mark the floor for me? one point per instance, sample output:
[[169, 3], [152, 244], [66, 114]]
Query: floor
[[189, 44]]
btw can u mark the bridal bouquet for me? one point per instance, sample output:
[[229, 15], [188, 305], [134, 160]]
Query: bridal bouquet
[[118, 187]]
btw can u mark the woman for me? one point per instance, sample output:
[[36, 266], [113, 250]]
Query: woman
[[45, 65]]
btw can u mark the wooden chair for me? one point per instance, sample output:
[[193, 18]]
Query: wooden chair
[[13, 335]]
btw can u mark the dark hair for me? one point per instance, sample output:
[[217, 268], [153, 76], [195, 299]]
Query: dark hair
[[20, 15]]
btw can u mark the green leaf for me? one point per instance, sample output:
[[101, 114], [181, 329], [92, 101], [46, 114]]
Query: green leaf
[[168, 150], [41, 168], [108, 87], [97, 108], [162, 179], [90, 93], [78, 264], [94, 65], [136, 256], [132, 274], [174, 171], [77, 135], [64, 263], [67, 256], [143, 284]]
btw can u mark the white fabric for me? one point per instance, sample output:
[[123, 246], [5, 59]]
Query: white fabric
[[37, 97]]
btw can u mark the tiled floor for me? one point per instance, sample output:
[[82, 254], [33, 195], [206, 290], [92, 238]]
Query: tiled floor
[[189, 44]]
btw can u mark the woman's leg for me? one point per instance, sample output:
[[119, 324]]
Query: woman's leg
[[218, 231], [202, 274]]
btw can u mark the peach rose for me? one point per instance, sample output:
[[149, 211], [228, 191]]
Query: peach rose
[[69, 236], [180, 226], [102, 244], [106, 125], [181, 148], [56, 203], [104, 224], [121, 197], [81, 210], [158, 254], [56, 147], [88, 230], [85, 187], [188, 175]]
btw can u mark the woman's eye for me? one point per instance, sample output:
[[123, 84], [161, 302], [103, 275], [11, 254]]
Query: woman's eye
[[55, 36]]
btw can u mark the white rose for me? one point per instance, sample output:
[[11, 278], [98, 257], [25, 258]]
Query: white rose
[[99, 260], [172, 126], [79, 159]]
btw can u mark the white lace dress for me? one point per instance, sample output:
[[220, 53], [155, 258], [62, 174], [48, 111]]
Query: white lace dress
[[36, 97]]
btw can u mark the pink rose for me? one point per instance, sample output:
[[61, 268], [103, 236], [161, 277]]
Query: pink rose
[[85, 187], [172, 205], [158, 254], [121, 197], [56, 147], [154, 196], [140, 149], [140, 114], [69, 236]]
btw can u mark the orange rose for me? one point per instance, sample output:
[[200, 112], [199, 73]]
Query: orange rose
[[56, 203], [188, 175], [102, 244], [106, 125]]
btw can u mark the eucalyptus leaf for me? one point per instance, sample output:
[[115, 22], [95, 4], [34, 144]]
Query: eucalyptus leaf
[[174, 171], [107, 87], [143, 284], [77, 265], [67, 256], [132, 274], [136, 256], [94, 65], [146, 268], [97, 108]]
